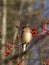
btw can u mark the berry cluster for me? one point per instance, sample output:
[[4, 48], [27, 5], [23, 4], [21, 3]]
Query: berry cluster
[[34, 33]]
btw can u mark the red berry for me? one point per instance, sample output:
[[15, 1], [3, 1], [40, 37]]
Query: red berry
[[42, 26], [8, 46], [47, 21], [34, 32], [45, 29], [7, 52], [20, 63], [40, 36], [13, 42], [48, 32], [47, 61]]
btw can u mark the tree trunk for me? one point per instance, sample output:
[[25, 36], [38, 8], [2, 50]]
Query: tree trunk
[[4, 20]]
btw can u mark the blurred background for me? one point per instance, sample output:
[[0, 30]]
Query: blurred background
[[21, 12]]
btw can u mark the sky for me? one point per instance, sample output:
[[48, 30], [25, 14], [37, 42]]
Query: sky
[[46, 4]]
